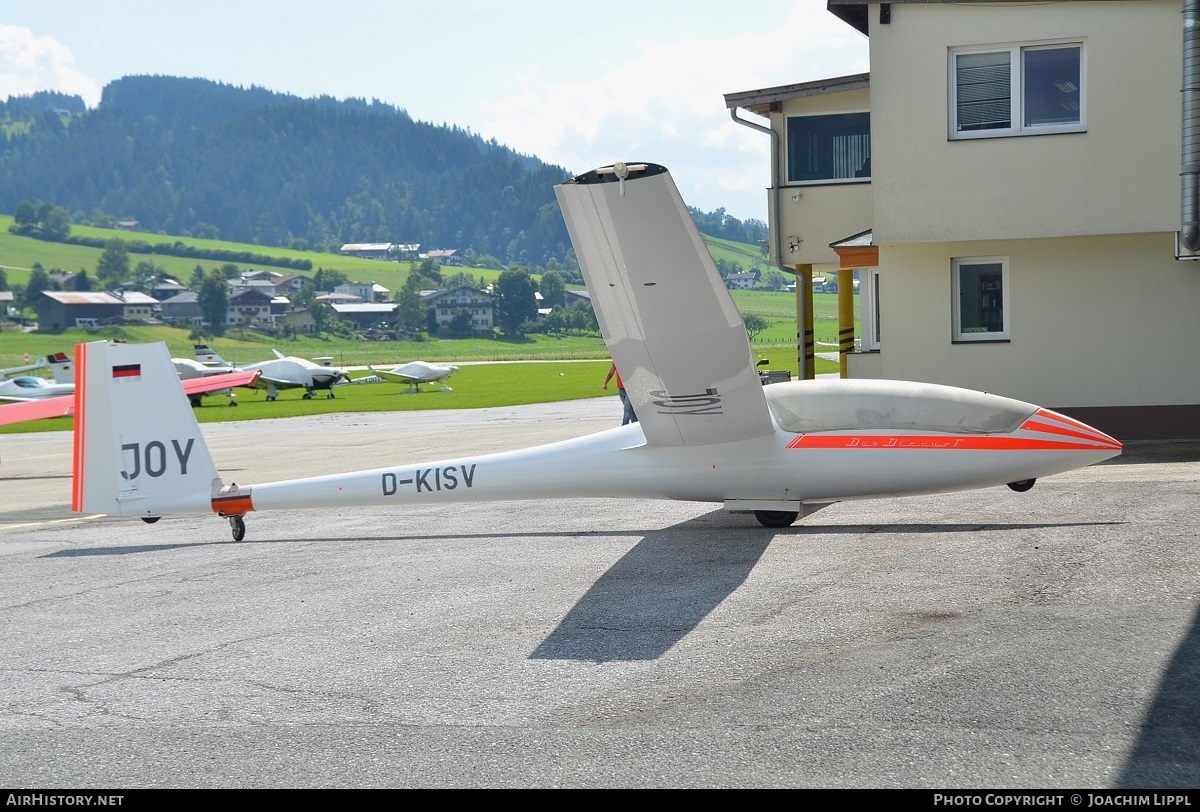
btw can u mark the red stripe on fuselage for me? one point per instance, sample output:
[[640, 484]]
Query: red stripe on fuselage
[[941, 442], [238, 504], [81, 362]]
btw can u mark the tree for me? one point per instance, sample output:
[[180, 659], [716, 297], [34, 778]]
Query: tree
[[515, 303], [145, 271], [552, 288], [326, 279], [755, 324], [56, 223], [320, 315], [39, 281], [410, 309], [25, 215], [460, 279], [460, 323], [429, 269], [583, 319], [775, 279], [113, 267], [213, 299]]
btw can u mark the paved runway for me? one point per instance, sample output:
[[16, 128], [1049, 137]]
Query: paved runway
[[979, 640]]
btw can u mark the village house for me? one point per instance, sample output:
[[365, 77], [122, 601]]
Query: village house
[[741, 281], [445, 304]]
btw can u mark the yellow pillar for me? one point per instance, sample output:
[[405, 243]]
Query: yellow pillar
[[806, 359], [845, 277]]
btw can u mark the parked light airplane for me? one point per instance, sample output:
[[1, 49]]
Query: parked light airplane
[[413, 373], [708, 430], [33, 387], [284, 372]]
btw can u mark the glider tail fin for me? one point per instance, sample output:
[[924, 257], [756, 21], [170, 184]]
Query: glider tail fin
[[138, 448], [208, 357], [61, 367]]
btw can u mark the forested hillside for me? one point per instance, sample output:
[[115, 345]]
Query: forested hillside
[[200, 158]]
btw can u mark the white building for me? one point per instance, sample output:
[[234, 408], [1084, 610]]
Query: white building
[[1011, 166]]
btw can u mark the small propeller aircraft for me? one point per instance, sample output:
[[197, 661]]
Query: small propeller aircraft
[[708, 429], [413, 374], [284, 372]]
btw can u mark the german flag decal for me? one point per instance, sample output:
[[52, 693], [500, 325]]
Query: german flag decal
[[127, 372]]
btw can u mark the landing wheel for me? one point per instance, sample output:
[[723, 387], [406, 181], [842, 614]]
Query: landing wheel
[[270, 398], [151, 519], [1022, 486], [233, 403], [776, 518], [238, 526], [331, 396], [307, 396]]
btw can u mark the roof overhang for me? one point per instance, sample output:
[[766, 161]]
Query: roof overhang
[[767, 100], [852, 13], [857, 251]]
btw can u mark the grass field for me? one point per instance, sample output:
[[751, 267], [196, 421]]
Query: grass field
[[474, 386], [478, 384], [18, 255]]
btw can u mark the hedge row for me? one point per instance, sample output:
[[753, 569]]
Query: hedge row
[[175, 249]]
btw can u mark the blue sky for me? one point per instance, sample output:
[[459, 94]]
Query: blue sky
[[578, 84]]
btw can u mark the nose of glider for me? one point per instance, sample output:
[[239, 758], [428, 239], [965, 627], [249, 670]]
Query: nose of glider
[[1053, 429]]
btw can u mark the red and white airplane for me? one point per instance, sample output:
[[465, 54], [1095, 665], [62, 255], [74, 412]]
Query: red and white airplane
[[708, 430]]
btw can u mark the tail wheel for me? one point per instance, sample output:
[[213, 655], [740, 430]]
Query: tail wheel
[[776, 518], [1022, 485], [238, 526]]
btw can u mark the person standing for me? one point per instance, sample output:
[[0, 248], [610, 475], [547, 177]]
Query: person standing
[[629, 415]]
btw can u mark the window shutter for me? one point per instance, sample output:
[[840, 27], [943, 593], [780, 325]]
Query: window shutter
[[983, 87]]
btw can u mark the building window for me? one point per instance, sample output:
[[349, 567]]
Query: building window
[[980, 289], [1017, 90], [869, 309], [829, 148]]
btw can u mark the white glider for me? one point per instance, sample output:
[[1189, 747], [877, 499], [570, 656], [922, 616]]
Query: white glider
[[414, 373], [708, 430], [32, 387]]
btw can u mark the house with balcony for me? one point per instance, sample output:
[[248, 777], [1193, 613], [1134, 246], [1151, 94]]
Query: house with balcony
[[444, 305], [995, 181]]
